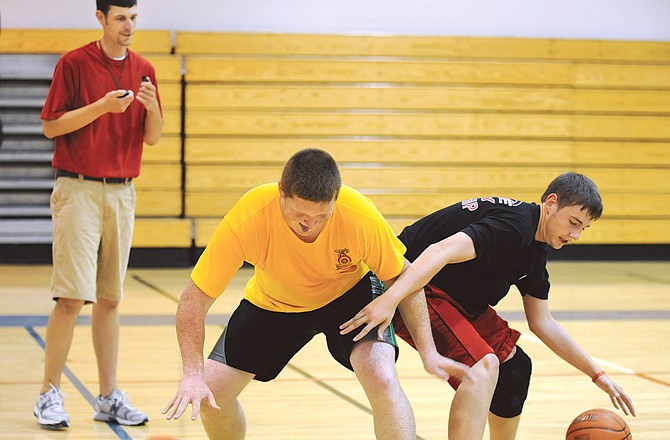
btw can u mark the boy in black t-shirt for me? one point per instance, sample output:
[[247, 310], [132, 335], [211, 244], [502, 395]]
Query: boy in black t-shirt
[[467, 256]]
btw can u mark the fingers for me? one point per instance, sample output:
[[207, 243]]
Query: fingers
[[178, 410], [212, 401], [371, 326], [117, 101], [460, 371], [125, 96], [349, 326], [629, 404], [446, 368], [170, 409], [442, 374], [363, 332], [381, 329], [195, 410], [353, 323], [122, 93], [148, 88], [615, 402], [147, 94], [169, 405], [465, 373], [195, 407], [176, 407], [625, 403], [620, 400]]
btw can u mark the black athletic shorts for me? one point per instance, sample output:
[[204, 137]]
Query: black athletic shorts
[[262, 342]]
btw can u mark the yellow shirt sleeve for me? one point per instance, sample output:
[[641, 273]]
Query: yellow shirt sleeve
[[222, 257]]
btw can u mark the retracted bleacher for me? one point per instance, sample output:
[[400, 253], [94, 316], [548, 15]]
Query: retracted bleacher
[[418, 123], [28, 57]]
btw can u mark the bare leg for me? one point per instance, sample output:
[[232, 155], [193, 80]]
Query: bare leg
[[226, 383], [60, 331], [502, 428], [467, 416], [374, 364], [105, 331]]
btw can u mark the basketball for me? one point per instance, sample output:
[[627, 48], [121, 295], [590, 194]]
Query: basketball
[[598, 424]]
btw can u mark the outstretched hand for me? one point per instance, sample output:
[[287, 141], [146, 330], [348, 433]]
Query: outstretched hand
[[446, 368], [378, 312], [192, 390], [618, 396]]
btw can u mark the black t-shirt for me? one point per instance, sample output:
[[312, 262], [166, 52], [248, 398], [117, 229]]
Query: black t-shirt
[[503, 232]]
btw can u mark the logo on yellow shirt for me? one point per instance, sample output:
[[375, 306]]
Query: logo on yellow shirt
[[344, 261]]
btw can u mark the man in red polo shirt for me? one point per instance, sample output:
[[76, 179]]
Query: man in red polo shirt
[[103, 105]]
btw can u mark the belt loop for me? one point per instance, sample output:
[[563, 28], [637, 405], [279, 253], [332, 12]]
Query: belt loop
[[80, 177], [104, 181]]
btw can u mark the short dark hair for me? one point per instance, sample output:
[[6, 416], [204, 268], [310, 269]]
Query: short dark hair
[[104, 5], [312, 175], [574, 189]]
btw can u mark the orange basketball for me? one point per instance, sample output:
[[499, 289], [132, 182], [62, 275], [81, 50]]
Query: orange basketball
[[598, 424]]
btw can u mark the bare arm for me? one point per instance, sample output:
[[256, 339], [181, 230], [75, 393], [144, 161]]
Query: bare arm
[[554, 336], [81, 117], [191, 313], [453, 249]]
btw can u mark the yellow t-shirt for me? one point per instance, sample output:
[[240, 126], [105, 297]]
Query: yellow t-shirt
[[291, 275]]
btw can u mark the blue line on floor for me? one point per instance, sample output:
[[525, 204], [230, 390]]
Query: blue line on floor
[[222, 319], [41, 320], [118, 430]]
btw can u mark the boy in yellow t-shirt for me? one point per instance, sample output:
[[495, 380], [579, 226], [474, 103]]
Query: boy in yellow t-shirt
[[314, 245]]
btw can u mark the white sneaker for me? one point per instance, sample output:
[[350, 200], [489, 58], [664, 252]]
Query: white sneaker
[[117, 408], [50, 411]]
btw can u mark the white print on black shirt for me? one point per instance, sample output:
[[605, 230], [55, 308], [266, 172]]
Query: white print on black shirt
[[473, 204]]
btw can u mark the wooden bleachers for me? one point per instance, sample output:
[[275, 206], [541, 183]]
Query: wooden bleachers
[[417, 123], [58, 41], [159, 188]]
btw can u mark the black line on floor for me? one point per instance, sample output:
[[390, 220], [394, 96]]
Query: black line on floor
[[155, 288], [648, 278], [334, 391]]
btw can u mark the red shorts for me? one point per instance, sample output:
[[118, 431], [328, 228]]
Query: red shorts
[[459, 335]]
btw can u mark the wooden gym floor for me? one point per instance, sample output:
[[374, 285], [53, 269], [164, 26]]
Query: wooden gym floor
[[619, 312]]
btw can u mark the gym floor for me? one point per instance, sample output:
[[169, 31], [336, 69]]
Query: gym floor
[[618, 311]]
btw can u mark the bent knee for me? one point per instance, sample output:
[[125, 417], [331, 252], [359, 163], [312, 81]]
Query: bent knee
[[487, 367], [376, 373], [513, 384], [383, 379]]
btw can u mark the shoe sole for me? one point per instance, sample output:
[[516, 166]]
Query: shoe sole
[[110, 419], [51, 426]]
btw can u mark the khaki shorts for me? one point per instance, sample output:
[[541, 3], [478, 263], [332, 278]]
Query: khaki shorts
[[92, 233]]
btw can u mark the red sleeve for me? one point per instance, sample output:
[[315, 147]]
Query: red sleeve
[[59, 100]]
